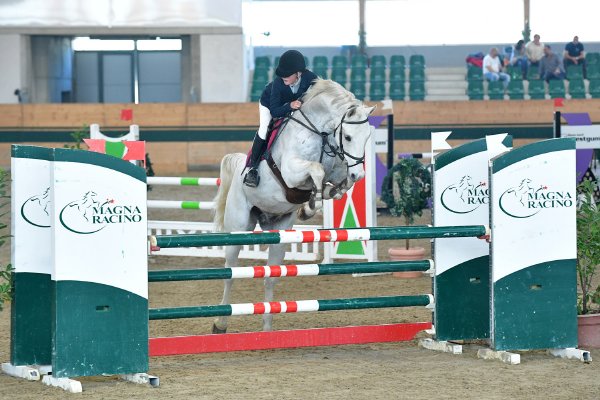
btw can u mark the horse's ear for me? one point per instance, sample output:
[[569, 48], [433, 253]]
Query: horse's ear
[[372, 109]]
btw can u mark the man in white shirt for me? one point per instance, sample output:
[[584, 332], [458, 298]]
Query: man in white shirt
[[492, 68], [534, 50]]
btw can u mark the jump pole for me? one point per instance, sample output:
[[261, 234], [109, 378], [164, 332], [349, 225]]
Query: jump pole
[[319, 235], [287, 307], [180, 205], [288, 270], [182, 181]]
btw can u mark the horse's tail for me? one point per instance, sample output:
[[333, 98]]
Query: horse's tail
[[229, 165]]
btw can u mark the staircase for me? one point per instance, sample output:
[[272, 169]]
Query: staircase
[[446, 84]]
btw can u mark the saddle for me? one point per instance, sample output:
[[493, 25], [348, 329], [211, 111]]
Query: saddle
[[292, 195]]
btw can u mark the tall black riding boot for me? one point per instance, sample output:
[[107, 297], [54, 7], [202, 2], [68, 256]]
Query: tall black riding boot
[[258, 146]]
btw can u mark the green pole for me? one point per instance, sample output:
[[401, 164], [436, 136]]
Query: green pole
[[376, 233], [324, 305], [201, 274]]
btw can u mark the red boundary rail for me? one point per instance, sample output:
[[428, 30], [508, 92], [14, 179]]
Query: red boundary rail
[[169, 346]]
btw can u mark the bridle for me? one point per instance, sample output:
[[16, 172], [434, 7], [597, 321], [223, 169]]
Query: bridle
[[326, 147]]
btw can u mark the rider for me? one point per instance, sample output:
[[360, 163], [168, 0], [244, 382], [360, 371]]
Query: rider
[[279, 98]]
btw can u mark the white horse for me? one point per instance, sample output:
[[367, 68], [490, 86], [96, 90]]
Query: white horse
[[320, 152]]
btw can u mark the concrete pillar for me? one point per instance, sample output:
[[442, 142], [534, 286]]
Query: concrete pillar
[[52, 68], [14, 70], [190, 69], [223, 72]]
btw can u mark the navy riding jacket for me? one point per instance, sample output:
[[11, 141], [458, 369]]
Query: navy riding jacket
[[277, 96]]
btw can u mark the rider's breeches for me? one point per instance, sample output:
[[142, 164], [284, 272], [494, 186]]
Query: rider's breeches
[[265, 119]]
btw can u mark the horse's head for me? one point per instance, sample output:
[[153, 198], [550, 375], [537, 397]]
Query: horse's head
[[354, 131], [337, 110]]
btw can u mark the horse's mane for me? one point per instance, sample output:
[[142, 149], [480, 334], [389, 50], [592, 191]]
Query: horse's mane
[[339, 97]]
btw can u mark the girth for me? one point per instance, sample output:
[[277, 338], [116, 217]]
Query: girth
[[292, 195]]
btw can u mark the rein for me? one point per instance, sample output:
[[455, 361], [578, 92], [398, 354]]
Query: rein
[[326, 147]]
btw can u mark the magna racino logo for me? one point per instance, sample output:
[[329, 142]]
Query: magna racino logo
[[90, 215], [465, 196], [527, 199]]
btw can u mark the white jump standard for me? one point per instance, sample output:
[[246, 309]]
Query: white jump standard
[[90, 315]]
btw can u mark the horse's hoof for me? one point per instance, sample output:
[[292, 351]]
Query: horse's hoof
[[216, 330]]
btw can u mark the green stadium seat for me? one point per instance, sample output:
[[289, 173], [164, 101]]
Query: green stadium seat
[[416, 74], [339, 62], [377, 74], [377, 91], [416, 60], [475, 90], [574, 72], [358, 74], [262, 62], [496, 90], [516, 90], [416, 91], [261, 76], [595, 88], [536, 89], [577, 89], [339, 75], [320, 72], [533, 72], [256, 92], [359, 61], [359, 90], [556, 88], [592, 59], [276, 61], [474, 73], [397, 90], [397, 74], [397, 61], [378, 61], [516, 74], [593, 72], [320, 62]]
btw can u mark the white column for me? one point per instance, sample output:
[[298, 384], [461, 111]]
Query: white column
[[13, 48], [223, 76]]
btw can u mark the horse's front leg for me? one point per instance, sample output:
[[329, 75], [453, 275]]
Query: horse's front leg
[[296, 171], [331, 191]]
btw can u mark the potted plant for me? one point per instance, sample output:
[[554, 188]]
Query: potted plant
[[588, 262], [406, 190]]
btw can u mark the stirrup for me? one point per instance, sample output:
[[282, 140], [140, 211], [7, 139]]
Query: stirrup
[[252, 179]]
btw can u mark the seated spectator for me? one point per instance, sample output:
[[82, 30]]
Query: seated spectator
[[518, 58], [551, 66], [492, 68], [534, 50], [574, 54]]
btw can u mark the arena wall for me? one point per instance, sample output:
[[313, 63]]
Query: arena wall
[[183, 137]]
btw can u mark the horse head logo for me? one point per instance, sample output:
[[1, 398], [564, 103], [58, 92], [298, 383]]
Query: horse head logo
[[36, 209], [522, 191], [514, 201], [464, 197], [77, 216]]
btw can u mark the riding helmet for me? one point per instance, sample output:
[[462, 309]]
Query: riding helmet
[[291, 61]]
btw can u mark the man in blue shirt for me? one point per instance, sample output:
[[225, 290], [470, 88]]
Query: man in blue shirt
[[574, 54]]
